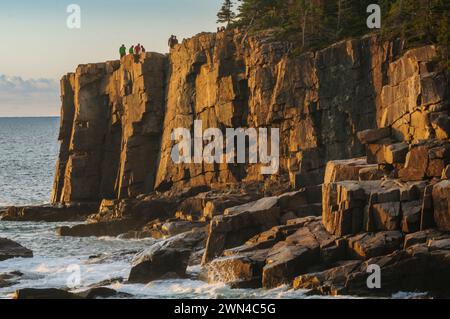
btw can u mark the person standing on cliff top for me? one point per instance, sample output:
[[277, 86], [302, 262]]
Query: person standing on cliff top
[[123, 51], [137, 49], [173, 41], [131, 50]]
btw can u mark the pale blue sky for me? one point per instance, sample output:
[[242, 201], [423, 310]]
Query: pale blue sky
[[36, 43]]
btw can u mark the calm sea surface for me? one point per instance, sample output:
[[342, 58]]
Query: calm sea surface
[[28, 152]]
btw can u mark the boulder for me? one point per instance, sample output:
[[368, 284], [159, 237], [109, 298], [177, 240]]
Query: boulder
[[239, 224], [217, 206], [10, 249], [374, 135], [309, 246], [328, 282], [345, 170], [157, 262], [243, 270], [387, 152], [441, 203], [101, 293], [368, 245], [10, 279], [167, 258]]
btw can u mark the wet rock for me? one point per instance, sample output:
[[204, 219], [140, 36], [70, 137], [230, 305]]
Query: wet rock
[[60, 294], [169, 257], [441, 203], [49, 213], [157, 262], [99, 229], [10, 279], [241, 271], [10, 249], [368, 245], [101, 293], [48, 293]]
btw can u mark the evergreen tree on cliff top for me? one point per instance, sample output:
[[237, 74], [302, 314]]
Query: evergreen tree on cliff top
[[226, 14], [313, 24]]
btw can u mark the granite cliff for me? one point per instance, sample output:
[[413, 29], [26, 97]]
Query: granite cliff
[[118, 117], [364, 163]]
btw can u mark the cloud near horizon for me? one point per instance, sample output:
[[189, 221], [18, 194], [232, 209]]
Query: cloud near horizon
[[28, 97]]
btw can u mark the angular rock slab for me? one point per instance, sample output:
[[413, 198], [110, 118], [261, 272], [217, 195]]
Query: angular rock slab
[[10, 249]]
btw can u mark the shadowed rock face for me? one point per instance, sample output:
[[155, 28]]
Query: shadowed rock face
[[117, 117]]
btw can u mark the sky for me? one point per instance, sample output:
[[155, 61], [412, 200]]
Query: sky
[[37, 47]]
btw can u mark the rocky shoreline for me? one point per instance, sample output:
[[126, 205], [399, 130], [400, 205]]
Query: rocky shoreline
[[357, 187]]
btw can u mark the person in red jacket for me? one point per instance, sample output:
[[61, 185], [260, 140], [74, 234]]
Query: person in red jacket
[[137, 49]]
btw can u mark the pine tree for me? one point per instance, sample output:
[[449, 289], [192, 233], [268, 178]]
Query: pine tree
[[226, 13], [313, 24]]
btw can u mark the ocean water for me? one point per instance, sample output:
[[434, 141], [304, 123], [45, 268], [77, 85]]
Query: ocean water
[[28, 152]]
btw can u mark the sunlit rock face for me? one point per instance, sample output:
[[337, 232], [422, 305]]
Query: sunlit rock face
[[117, 117]]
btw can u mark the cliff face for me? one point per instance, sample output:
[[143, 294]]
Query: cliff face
[[118, 117], [110, 129]]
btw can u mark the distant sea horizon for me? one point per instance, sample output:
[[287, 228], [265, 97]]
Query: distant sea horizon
[[29, 117]]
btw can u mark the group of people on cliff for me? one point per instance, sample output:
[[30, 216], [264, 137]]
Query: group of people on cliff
[[138, 49], [134, 49]]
